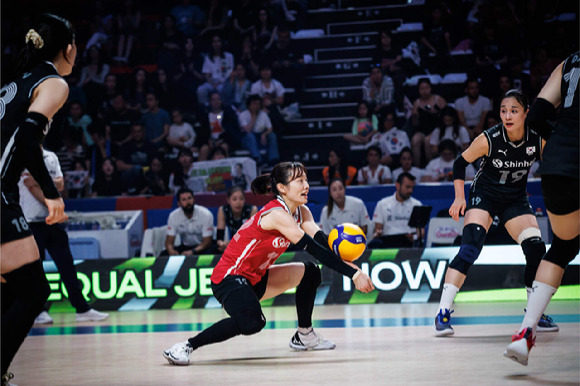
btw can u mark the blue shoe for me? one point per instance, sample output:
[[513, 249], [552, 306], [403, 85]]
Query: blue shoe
[[546, 324], [442, 325]]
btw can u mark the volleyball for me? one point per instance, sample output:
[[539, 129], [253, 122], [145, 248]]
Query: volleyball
[[348, 241]]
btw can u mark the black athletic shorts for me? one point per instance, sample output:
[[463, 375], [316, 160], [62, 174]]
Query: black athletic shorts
[[561, 194], [505, 210], [232, 283], [14, 225]]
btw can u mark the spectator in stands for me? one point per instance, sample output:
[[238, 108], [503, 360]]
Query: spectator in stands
[[79, 121], [441, 168], [183, 176], [155, 121], [108, 181], [490, 53], [237, 88], [138, 87], [287, 62], [71, 151], [472, 108], [338, 166], [264, 31], [248, 58], [258, 132], [232, 215], [170, 43], [390, 59], [77, 180], [219, 127], [341, 208], [217, 67], [392, 216], [193, 223], [118, 123], [217, 18], [504, 85], [390, 140], [244, 14], [364, 126], [491, 119], [165, 90], [450, 129], [155, 178], [267, 85], [128, 25], [406, 161], [110, 91], [374, 173], [436, 39], [181, 134], [189, 75], [378, 90], [189, 18], [218, 152], [98, 151], [133, 156], [93, 74], [424, 118]]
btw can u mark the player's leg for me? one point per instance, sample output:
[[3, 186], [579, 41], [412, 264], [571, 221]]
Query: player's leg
[[241, 302], [476, 225]]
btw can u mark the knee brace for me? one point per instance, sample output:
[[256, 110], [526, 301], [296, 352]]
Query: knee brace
[[250, 322], [562, 251], [312, 277], [534, 249], [471, 245]]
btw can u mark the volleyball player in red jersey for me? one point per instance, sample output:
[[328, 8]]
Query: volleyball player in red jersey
[[245, 275]]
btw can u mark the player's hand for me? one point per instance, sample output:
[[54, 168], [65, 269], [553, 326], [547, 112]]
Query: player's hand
[[457, 208], [55, 211], [363, 283]]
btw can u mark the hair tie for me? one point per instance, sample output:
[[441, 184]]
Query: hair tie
[[36, 39]]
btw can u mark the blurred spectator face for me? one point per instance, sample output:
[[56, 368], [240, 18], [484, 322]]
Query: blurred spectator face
[[137, 133], [373, 158], [94, 53], [215, 101], [169, 23], [505, 84], [376, 75], [240, 72], [491, 121], [424, 90], [255, 106], [389, 122], [151, 101], [161, 76], [385, 39], [185, 161], [216, 44], [111, 82], [448, 120], [362, 110], [266, 73], [405, 188], [263, 16], [156, 166], [447, 155], [283, 38], [406, 160], [140, 76], [337, 191], [472, 90], [108, 167], [177, 117], [237, 200], [219, 153], [118, 103], [333, 158], [75, 110], [189, 44]]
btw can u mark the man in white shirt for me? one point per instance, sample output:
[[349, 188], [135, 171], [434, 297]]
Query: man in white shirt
[[193, 223], [217, 67], [472, 108], [268, 86], [54, 239], [258, 132], [392, 216]]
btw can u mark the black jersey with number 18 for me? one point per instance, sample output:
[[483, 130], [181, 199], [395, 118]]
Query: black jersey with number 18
[[504, 170]]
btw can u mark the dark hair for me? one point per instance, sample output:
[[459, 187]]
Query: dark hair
[[253, 97], [330, 202], [519, 96], [283, 173], [405, 175], [450, 111], [448, 144], [234, 189], [424, 80], [383, 118], [185, 151], [56, 34], [406, 149], [341, 151], [218, 150], [369, 110], [375, 148], [470, 80], [183, 190]]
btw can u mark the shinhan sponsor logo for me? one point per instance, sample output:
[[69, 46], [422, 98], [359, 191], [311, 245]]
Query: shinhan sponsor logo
[[280, 242], [512, 164]]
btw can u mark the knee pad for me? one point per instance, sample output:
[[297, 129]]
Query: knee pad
[[562, 252], [250, 322], [534, 249], [471, 245], [312, 276]]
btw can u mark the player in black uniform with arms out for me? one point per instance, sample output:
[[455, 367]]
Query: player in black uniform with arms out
[[499, 188], [27, 105], [559, 171]]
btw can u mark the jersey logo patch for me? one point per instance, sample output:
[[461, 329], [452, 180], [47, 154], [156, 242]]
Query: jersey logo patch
[[497, 163], [530, 150], [504, 152], [280, 242]]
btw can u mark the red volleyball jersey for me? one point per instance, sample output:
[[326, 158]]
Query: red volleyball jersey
[[253, 250]]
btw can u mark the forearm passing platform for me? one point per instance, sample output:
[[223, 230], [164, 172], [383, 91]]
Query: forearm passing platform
[[325, 256]]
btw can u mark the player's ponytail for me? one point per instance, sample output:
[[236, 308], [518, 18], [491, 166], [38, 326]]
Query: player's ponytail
[[283, 173], [49, 35]]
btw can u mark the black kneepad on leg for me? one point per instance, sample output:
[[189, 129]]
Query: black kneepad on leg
[[534, 249], [250, 322], [471, 245], [312, 276], [562, 252]]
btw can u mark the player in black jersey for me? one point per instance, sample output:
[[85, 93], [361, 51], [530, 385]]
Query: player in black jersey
[[499, 188], [26, 107], [559, 171]]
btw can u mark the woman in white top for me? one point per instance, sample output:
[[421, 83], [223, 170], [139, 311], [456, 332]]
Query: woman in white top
[[342, 208], [453, 131], [374, 173]]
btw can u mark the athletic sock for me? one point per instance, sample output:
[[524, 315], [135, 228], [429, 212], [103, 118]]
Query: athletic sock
[[447, 296], [304, 330], [528, 292], [540, 296]]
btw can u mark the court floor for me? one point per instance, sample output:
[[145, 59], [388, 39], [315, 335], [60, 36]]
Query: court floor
[[375, 345]]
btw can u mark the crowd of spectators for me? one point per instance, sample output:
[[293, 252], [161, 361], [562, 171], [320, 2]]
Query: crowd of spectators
[[155, 91]]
